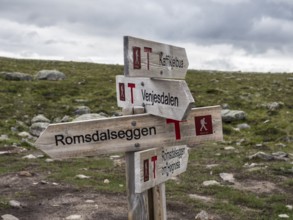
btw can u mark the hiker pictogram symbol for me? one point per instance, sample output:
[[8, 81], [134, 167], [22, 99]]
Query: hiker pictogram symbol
[[203, 125]]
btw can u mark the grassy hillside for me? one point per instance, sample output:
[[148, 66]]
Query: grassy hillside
[[93, 85]]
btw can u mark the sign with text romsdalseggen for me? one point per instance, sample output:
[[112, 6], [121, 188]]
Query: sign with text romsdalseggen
[[156, 166], [161, 97], [129, 133], [152, 59]]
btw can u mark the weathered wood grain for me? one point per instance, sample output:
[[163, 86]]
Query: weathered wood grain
[[156, 166], [152, 59], [161, 97], [138, 132]]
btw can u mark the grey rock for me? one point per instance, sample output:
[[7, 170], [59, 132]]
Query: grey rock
[[16, 76], [89, 117], [280, 155], [40, 118], [227, 177], [232, 115], [81, 110], [210, 183], [4, 137], [14, 204], [53, 75], [37, 128], [8, 217], [243, 126], [225, 106], [66, 118], [24, 134], [272, 106], [73, 217], [261, 155], [203, 215]]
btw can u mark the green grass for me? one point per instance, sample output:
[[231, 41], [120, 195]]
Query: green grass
[[95, 85]]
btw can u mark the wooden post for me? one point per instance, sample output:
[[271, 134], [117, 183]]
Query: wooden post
[[159, 202], [139, 204]]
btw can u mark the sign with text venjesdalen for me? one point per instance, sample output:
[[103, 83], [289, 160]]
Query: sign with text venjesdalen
[[152, 59], [161, 97], [155, 166], [130, 133]]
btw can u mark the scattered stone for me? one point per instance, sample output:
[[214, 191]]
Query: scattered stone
[[201, 198], [40, 118], [66, 118], [55, 184], [274, 106], [210, 166], [4, 137], [203, 215], [73, 217], [24, 134], [280, 156], [261, 155], [37, 128], [81, 110], [44, 182], [227, 177], [49, 160], [290, 207], [30, 156], [25, 174], [90, 201], [14, 204], [266, 121], [283, 216], [115, 157], [243, 126], [121, 185], [89, 117], [8, 217], [229, 148], [225, 106], [16, 76], [81, 176], [232, 115], [281, 145], [210, 183], [106, 181], [50, 75]]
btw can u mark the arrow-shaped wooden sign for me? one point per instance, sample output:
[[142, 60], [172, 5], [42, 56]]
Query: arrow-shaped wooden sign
[[161, 97], [157, 165], [130, 133], [152, 59]]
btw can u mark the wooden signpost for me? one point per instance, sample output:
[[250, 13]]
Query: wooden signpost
[[155, 142], [151, 59], [130, 133], [161, 97], [157, 165]]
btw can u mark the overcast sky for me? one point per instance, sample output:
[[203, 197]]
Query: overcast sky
[[234, 35]]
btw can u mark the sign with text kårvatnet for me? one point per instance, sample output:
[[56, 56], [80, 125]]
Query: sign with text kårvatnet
[[157, 165], [152, 59], [130, 133], [162, 97]]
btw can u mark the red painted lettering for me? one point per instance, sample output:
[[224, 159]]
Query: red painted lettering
[[136, 58], [154, 159], [148, 50], [131, 86], [146, 173], [122, 91], [177, 127]]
